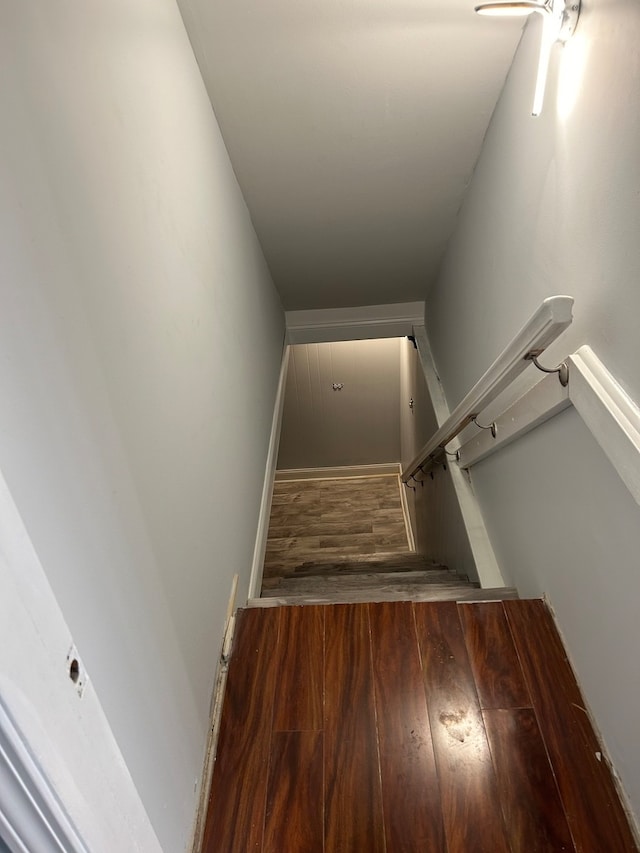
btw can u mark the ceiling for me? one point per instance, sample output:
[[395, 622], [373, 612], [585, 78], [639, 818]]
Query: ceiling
[[353, 127]]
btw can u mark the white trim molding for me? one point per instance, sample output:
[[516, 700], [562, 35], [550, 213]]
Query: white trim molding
[[352, 324], [411, 539], [611, 416], [260, 547], [215, 717], [487, 568], [32, 817]]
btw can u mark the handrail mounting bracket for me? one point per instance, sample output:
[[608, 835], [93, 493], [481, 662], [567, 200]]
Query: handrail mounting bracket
[[562, 369], [492, 426]]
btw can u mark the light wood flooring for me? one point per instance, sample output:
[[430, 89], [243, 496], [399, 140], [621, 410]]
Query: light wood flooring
[[402, 576], [345, 541], [408, 728], [338, 517]]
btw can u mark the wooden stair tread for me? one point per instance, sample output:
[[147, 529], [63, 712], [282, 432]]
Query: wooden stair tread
[[320, 583], [429, 592], [377, 557], [358, 564], [362, 568], [404, 576]]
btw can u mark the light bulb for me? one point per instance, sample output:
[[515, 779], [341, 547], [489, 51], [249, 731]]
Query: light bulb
[[560, 21], [518, 9]]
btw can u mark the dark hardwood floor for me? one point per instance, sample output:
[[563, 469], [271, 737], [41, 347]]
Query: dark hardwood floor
[[408, 727]]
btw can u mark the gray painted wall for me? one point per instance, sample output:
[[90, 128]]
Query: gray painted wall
[[439, 530], [417, 424], [358, 425], [140, 344], [554, 207]]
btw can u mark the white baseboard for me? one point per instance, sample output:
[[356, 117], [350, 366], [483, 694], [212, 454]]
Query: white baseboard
[[487, 568], [382, 469], [217, 701], [257, 566], [407, 516]]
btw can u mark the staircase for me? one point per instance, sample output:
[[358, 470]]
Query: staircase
[[398, 576]]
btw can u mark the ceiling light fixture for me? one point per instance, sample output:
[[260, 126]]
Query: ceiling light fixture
[[560, 19]]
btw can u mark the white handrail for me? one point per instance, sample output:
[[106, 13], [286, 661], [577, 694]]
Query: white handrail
[[609, 413], [549, 321]]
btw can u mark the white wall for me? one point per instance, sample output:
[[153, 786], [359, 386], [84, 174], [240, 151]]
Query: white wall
[[140, 342], [554, 207], [358, 425]]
